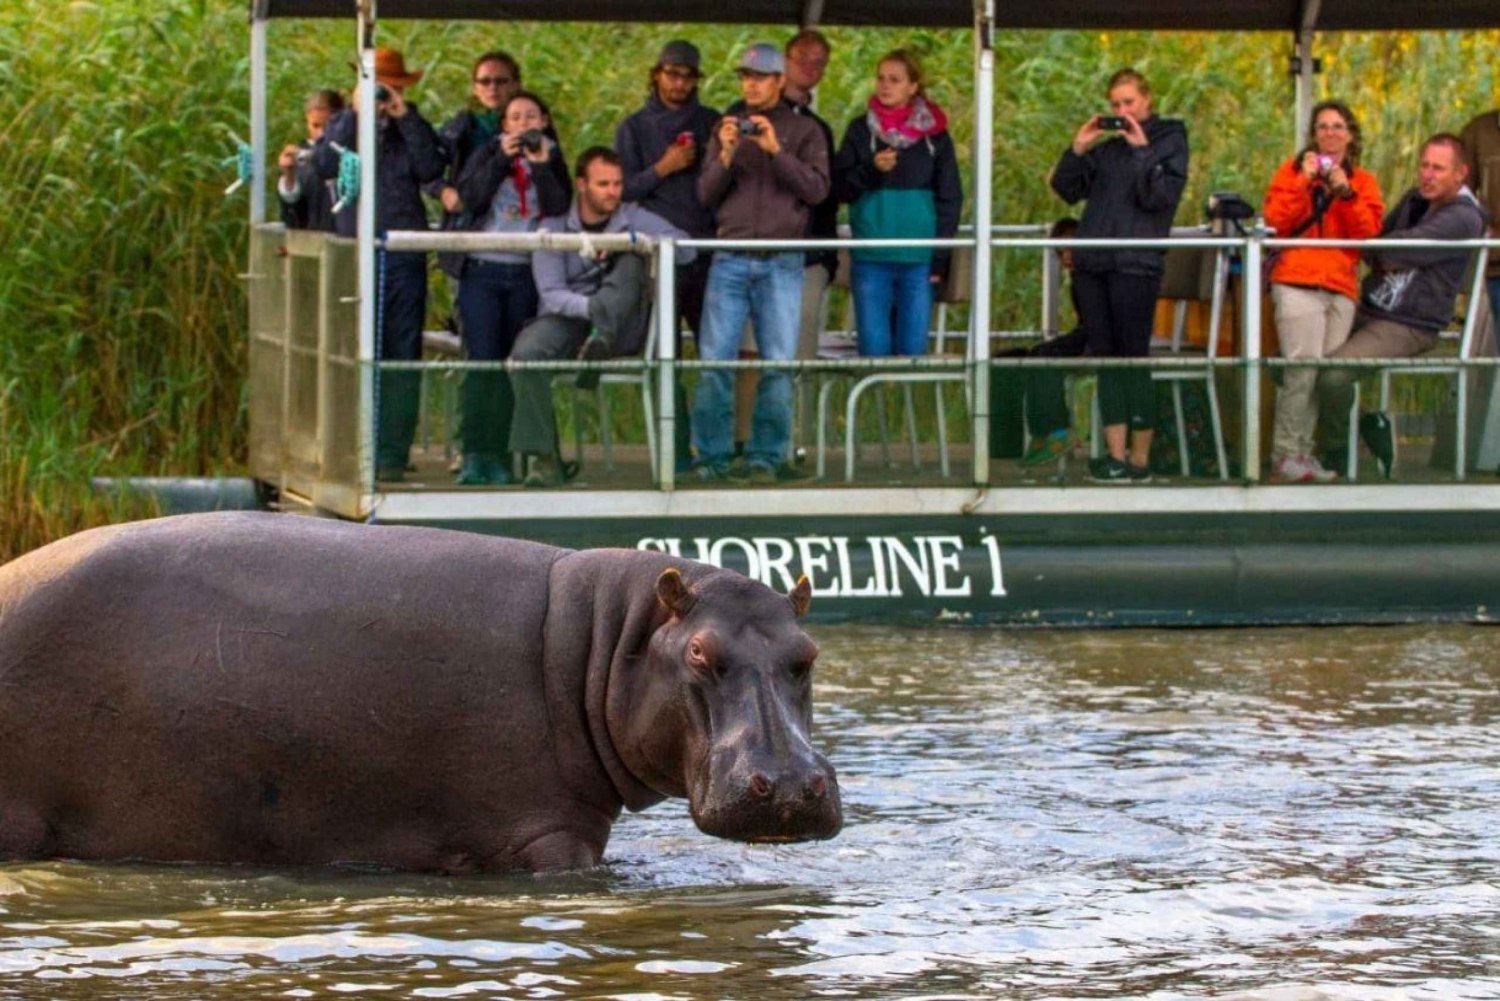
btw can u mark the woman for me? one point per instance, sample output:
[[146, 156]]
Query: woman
[[897, 169], [494, 80], [1133, 181], [508, 184], [1321, 193]]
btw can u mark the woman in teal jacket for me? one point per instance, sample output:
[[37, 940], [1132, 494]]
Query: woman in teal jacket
[[897, 169]]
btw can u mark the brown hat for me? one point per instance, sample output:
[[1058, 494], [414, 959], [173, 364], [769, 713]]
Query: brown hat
[[391, 68]]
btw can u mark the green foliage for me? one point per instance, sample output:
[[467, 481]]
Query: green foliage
[[122, 322]]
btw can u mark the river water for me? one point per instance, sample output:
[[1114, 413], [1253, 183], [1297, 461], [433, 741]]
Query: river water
[[1281, 814]]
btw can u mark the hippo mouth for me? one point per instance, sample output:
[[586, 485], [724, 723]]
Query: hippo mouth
[[795, 805]]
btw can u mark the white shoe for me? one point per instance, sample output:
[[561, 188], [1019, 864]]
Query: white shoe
[[1315, 470], [1291, 469]]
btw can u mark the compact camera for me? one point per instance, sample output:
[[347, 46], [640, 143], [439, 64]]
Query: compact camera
[[748, 127], [1112, 122], [382, 93], [1326, 163], [532, 139]]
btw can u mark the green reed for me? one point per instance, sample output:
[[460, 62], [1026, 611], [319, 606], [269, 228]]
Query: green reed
[[122, 320]]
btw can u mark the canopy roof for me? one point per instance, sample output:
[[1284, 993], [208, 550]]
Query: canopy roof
[[1192, 15]]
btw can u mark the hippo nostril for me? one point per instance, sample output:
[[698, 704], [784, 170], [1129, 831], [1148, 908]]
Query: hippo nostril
[[760, 785], [817, 787]]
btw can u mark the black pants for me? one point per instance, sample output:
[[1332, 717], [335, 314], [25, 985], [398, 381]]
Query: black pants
[[1039, 393], [494, 303], [403, 308], [1117, 311]]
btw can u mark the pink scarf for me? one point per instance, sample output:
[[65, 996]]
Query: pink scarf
[[906, 126]]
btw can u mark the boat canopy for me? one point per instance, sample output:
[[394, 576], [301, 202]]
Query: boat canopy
[[1183, 15]]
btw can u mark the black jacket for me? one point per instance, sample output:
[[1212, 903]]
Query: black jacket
[[488, 168], [641, 140], [409, 157], [931, 164], [313, 206], [1132, 193]]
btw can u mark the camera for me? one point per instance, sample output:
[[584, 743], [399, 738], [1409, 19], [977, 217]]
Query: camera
[[1112, 122], [1326, 163], [382, 93], [748, 127], [532, 139]]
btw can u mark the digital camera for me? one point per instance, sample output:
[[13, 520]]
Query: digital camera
[[1112, 122], [532, 139], [748, 127], [1326, 163]]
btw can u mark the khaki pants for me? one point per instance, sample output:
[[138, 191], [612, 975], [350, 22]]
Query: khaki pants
[[814, 284], [1310, 323], [1373, 339]]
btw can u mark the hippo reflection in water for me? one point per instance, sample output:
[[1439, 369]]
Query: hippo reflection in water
[[278, 690]]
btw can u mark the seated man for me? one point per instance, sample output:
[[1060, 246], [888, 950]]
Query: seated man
[[594, 308], [1408, 296]]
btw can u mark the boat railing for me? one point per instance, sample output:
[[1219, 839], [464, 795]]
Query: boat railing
[[303, 314]]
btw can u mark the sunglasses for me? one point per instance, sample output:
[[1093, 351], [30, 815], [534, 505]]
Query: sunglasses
[[493, 81]]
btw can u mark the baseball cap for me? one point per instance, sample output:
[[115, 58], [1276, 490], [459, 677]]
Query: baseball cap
[[679, 53], [762, 57]]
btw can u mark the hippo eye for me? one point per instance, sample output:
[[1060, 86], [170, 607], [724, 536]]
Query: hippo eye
[[698, 659]]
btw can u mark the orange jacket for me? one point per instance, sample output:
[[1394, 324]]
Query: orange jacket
[[1289, 203]]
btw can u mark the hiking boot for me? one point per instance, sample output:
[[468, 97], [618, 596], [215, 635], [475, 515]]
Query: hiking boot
[[595, 348], [1048, 449], [1107, 470], [1375, 432]]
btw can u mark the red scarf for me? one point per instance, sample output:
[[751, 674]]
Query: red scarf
[[907, 125], [520, 172]]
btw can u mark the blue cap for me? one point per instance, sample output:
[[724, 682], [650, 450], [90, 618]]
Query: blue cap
[[762, 57]]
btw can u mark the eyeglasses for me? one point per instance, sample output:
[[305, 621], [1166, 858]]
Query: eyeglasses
[[492, 81], [677, 74], [1331, 127]]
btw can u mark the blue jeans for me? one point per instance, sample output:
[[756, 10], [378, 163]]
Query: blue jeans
[[885, 292], [494, 303], [768, 290]]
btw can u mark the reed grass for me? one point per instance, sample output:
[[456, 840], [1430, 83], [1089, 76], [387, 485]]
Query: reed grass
[[122, 322]]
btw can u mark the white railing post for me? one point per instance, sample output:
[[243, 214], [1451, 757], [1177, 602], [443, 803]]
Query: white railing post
[[368, 283], [1250, 353], [979, 301], [258, 115], [666, 362]]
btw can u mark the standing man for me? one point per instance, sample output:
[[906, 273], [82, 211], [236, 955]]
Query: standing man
[[409, 156], [306, 199], [603, 301], [1408, 296], [661, 149], [766, 168], [1482, 141]]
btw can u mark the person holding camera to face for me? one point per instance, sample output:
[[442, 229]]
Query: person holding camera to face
[[764, 169], [507, 186], [1131, 166], [1321, 193], [409, 156], [307, 200]]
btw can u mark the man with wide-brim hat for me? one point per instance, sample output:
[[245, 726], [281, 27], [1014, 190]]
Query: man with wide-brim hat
[[408, 156]]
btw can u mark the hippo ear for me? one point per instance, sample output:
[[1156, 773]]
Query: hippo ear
[[801, 596], [672, 591]]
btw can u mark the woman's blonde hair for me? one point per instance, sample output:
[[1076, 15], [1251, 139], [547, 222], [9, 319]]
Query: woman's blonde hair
[[1132, 76]]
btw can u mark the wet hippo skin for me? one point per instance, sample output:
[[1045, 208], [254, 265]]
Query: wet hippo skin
[[279, 690]]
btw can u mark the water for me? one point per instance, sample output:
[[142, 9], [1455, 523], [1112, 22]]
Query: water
[[1280, 814]]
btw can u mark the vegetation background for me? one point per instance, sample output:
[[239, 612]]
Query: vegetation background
[[122, 321]]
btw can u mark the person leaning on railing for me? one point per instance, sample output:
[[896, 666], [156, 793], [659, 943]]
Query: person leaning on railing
[[593, 306], [897, 169], [1321, 192], [1408, 296], [409, 156], [507, 186], [1132, 182]]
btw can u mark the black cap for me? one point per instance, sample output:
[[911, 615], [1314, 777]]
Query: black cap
[[679, 53]]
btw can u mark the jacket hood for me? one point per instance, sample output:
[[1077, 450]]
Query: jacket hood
[[1157, 127]]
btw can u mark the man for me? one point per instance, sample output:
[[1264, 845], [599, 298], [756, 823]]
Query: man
[[1482, 141], [660, 148], [603, 301], [1408, 296], [807, 54], [306, 199], [409, 156], [766, 167]]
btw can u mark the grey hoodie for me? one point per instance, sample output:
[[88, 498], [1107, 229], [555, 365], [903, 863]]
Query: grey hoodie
[[1418, 288]]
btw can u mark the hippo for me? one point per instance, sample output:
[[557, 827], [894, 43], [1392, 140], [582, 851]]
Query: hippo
[[271, 689]]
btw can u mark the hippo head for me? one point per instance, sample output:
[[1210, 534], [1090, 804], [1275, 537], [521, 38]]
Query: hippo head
[[730, 706]]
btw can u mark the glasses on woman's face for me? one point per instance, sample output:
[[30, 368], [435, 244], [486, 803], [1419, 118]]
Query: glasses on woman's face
[[492, 81], [1331, 127]]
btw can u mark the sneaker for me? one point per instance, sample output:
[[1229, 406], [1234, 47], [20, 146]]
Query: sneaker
[[760, 475], [471, 473], [595, 348], [1137, 474], [1048, 449], [1107, 470], [711, 472], [1375, 432], [1315, 471], [1291, 469]]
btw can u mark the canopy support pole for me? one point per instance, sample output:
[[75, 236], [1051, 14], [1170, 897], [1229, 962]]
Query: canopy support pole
[[812, 14], [258, 113], [979, 303], [369, 288], [1305, 67]]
